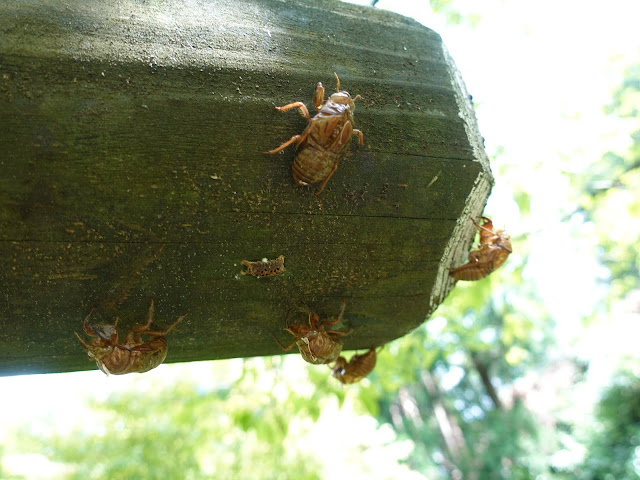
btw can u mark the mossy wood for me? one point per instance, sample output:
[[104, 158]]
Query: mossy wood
[[131, 141]]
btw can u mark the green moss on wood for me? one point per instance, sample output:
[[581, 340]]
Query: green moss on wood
[[133, 169]]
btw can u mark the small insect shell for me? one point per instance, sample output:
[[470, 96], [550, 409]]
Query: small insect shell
[[356, 369], [317, 345], [264, 268], [326, 140], [134, 354], [492, 252]]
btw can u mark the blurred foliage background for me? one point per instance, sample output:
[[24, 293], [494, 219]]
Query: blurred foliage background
[[531, 373]]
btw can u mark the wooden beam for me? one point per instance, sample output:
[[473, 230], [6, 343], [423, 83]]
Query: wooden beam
[[131, 140]]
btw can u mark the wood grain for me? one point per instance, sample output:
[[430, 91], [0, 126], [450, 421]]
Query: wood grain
[[131, 140]]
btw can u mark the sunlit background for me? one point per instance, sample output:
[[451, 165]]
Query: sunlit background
[[529, 374]]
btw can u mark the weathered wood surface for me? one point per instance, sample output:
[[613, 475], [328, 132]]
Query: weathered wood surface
[[131, 140]]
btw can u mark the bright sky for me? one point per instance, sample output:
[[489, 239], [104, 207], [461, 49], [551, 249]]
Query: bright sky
[[540, 73]]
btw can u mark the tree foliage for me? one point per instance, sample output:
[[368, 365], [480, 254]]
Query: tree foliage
[[608, 193], [450, 386], [183, 431], [613, 448], [268, 419]]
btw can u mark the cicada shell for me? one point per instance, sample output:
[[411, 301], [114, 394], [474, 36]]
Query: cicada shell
[[492, 252], [316, 345], [264, 268], [356, 369], [134, 354], [325, 141]]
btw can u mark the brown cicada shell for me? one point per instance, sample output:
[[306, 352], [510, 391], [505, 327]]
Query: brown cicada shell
[[356, 369], [316, 345], [132, 355], [493, 251], [264, 268], [325, 141]]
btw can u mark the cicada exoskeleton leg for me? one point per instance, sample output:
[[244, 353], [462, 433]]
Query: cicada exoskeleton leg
[[288, 347], [487, 226], [134, 336], [318, 96], [295, 138], [343, 305], [299, 105], [169, 328], [333, 170], [359, 133], [85, 325]]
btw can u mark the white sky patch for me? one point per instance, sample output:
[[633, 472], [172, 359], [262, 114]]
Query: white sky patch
[[436, 325], [340, 435], [566, 276], [34, 466]]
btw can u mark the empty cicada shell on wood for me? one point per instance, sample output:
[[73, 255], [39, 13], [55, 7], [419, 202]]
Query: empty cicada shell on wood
[[325, 141], [356, 369], [493, 251], [316, 345], [264, 268], [134, 354]]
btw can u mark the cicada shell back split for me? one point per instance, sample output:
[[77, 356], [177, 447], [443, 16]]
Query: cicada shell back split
[[134, 354], [325, 141], [493, 251], [317, 345]]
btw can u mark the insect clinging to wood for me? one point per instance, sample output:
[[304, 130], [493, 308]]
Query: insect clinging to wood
[[316, 345], [325, 141], [264, 268], [356, 369], [492, 252], [134, 354]]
